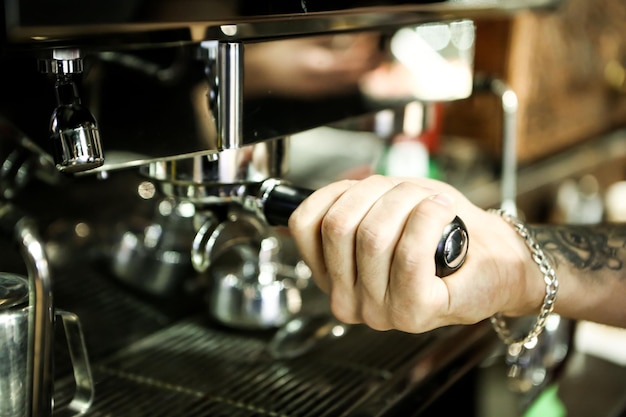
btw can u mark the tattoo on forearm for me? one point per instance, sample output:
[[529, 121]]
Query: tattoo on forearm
[[585, 247]]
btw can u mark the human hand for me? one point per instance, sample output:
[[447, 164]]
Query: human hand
[[370, 245]]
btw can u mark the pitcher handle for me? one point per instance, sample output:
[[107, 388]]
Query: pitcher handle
[[84, 392]]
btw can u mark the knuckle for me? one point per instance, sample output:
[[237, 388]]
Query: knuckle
[[370, 240], [408, 321], [410, 313], [407, 260], [322, 281], [342, 309], [381, 178], [344, 183], [406, 187], [337, 223], [408, 325], [429, 209], [295, 224], [374, 318]]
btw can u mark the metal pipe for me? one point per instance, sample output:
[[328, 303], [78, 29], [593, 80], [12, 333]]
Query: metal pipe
[[508, 98], [509, 145], [230, 95], [41, 318]]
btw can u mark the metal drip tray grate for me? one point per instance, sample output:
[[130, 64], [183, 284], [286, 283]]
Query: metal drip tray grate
[[192, 369], [149, 362]]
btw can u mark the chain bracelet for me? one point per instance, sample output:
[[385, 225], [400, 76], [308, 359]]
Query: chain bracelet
[[552, 286]]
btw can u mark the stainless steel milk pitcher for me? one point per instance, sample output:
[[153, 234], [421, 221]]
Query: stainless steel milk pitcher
[[27, 319]]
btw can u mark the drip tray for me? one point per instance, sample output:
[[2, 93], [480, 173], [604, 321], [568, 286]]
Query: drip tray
[[148, 363], [189, 369], [192, 370]]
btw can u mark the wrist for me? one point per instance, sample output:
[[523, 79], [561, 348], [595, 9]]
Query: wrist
[[523, 284], [549, 279], [530, 291]]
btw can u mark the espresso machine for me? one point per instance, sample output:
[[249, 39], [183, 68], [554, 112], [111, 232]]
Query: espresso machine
[[144, 149]]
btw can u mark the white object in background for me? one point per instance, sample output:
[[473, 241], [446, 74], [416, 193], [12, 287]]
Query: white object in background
[[601, 341], [615, 202], [322, 155], [440, 58], [407, 158], [407, 155], [580, 201]]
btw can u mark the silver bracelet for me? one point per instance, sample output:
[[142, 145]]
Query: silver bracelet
[[552, 286]]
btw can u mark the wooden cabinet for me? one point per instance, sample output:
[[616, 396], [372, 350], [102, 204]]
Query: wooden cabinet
[[556, 61]]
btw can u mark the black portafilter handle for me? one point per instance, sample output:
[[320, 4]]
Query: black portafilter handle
[[279, 200]]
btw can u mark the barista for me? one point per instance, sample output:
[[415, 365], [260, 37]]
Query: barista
[[370, 245]]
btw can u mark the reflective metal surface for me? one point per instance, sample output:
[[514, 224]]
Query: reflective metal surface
[[84, 389], [14, 396], [147, 360], [27, 334], [251, 285], [13, 291], [41, 319], [214, 178], [153, 255], [301, 335], [171, 81], [202, 95], [73, 128], [142, 22], [77, 139]]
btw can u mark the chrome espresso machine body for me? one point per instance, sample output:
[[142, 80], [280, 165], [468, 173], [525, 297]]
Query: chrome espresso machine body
[[144, 147]]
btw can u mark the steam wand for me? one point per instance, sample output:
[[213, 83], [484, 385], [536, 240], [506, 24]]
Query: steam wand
[[276, 200]]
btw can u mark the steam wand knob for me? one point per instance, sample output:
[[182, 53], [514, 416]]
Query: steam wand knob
[[277, 199], [73, 129]]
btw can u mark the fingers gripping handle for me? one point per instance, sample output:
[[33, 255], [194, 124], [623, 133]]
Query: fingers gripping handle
[[280, 200]]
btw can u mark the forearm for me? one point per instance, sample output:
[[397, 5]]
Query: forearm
[[590, 263]]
